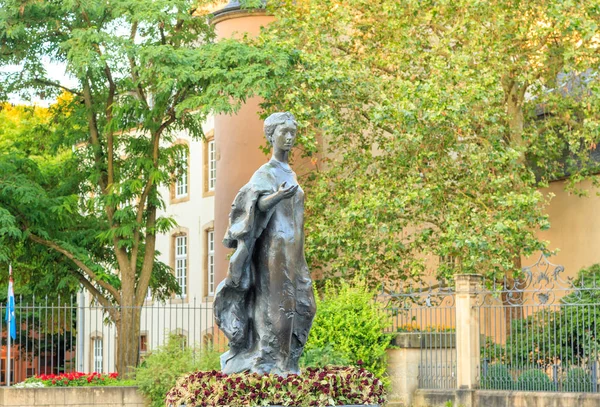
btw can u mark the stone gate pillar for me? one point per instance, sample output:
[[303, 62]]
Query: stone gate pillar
[[468, 345]]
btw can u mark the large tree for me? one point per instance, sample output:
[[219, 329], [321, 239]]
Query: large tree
[[438, 122], [144, 70]]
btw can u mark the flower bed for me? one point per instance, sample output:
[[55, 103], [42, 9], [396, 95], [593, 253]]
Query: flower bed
[[74, 379], [315, 387]]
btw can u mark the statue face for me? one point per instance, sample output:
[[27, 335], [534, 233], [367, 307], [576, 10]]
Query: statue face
[[284, 136]]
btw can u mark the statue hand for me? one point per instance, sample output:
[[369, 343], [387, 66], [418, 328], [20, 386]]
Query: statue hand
[[267, 202], [285, 193]]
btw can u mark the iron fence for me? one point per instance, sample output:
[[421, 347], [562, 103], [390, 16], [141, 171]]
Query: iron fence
[[423, 320], [79, 335], [540, 331]]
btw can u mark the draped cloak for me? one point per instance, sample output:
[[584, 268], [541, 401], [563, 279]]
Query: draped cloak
[[265, 306]]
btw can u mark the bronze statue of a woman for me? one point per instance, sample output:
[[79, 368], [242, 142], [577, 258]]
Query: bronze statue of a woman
[[265, 306]]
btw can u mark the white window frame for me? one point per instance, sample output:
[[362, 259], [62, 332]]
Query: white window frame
[[181, 263], [181, 183], [210, 246], [98, 353], [212, 165]]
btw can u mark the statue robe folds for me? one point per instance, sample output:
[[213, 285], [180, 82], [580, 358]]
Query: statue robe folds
[[265, 306]]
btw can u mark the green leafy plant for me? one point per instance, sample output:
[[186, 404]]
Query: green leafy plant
[[534, 380], [531, 341], [321, 357], [577, 380], [162, 367], [492, 351], [497, 377], [209, 359], [315, 387], [350, 321]]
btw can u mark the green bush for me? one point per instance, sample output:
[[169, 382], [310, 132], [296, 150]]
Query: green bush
[[578, 333], [534, 380], [497, 377], [321, 357], [493, 352], [350, 321], [577, 380], [531, 341], [162, 367]]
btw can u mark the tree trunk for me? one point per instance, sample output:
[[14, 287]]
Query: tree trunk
[[515, 95], [128, 340]]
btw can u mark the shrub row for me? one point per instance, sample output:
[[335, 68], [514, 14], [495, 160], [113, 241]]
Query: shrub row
[[498, 377]]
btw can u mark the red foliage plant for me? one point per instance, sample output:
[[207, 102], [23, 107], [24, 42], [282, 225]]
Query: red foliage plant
[[315, 387]]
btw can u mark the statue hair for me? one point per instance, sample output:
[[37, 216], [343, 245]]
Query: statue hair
[[275, 120]]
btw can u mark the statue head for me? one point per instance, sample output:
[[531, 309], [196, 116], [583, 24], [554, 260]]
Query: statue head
[[285, 120]]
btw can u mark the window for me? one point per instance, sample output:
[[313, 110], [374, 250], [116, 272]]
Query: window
[[181, 263], [181, 182], [210, 242], [180, 185], [212, 165], [143, 343], [448, 262], [97, 353]]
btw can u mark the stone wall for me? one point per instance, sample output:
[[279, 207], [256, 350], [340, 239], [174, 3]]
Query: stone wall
[[404, 358], [71, 397], [500, 398]]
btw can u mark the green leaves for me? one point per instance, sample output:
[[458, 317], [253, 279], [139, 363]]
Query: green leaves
[[437, 122], [351, 323]]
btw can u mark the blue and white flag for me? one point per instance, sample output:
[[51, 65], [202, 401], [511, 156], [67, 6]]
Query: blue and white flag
[[10, 307]]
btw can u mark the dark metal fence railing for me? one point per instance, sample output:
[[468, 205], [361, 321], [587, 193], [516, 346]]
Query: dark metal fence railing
[[540, 331], [423, 320], [79, 335]]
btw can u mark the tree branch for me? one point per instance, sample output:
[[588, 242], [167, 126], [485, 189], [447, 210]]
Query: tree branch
[[144, 279], [57, 85], [110, 308], [56, 247], [112, 88], [138, 218], [141, 94]]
